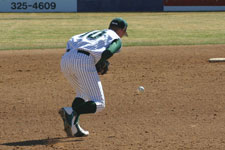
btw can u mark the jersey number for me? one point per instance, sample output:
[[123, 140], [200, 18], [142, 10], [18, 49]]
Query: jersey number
[[94, 35]]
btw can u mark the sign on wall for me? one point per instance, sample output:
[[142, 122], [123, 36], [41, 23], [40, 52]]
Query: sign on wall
[[38, 5], [194, 5]]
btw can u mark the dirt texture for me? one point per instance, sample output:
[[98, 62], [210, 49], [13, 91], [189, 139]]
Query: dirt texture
[[182, 108]]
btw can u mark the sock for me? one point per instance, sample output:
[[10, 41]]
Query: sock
[[77, 119], [87, 107], [76, 103], [82, 107]]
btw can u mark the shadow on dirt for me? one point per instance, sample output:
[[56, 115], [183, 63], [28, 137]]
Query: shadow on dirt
[[49, 141]]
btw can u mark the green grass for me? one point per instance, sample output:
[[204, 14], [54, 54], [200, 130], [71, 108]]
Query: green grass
[[52, 30]]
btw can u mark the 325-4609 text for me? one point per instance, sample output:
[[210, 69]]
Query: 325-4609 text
[[36, 5]]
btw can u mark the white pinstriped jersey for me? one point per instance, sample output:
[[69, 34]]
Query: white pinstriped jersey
[[95, 42]]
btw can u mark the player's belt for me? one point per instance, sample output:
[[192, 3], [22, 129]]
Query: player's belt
[[83, 52]]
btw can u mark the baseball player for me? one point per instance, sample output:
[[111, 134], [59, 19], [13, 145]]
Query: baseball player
[[85, 59]]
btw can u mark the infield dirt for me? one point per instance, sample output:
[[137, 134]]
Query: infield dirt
[[183, 106]]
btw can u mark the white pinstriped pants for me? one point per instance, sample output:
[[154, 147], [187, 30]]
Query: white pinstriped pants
[[79, 69]]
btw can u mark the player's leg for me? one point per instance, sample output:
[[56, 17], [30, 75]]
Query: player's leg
[[88, 86], [67, 114], [83, 76], [91, 92]]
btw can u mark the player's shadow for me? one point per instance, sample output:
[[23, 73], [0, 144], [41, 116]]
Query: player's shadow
[[49, 141]]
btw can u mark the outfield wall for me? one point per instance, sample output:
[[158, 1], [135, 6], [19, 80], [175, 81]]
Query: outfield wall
[[110, 5], [194, 5], [119, 5], [81, 5]]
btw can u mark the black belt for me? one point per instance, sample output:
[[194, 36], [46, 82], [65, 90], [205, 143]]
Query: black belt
[[83, 52], [80, 51]]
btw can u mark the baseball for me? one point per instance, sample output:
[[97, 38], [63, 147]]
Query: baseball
[[141, 89]]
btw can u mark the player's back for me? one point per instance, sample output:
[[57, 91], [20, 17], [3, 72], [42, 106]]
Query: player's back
[[97, 40]]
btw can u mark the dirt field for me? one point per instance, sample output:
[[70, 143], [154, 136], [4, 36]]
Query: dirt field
[[182, 108]]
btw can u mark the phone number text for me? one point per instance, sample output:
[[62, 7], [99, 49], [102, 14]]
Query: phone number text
[[36, 5]]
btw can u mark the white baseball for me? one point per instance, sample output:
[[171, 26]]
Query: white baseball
[[141, 89]]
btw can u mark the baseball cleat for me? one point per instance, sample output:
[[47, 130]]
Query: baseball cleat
[[80, 132], [72, 130], [67, 120]]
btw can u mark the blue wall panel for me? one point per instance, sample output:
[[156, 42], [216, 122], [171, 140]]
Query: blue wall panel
[[119, 5]]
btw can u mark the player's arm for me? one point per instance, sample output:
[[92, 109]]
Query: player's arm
[[113, 48]]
